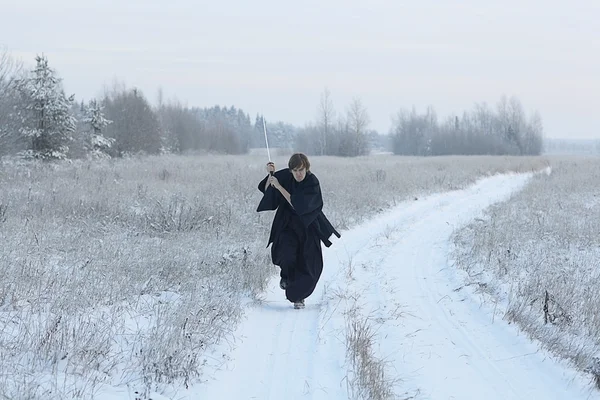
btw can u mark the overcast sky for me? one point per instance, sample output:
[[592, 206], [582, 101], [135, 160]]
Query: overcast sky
[[277, 57]]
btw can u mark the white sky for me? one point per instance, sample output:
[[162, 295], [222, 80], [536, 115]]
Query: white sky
[[276, 57]]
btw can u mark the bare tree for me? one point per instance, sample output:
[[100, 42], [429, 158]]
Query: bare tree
[[135, 126], [307, 140], [517, 123], [477, 132], [229, 130], [358, 121], [325, 120], [533, 137], [10, 69], [483, 119], [510, 117], [410, 136]]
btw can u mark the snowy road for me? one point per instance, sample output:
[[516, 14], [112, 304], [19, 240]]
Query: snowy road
[[438, 342]]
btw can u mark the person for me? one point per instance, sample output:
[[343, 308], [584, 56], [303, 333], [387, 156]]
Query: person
[[298, 228]]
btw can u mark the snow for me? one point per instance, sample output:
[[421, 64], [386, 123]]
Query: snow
[[436, 339]]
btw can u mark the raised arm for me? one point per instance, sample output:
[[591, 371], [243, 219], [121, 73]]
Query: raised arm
[[264, 184], [286, 195], [271, 196]]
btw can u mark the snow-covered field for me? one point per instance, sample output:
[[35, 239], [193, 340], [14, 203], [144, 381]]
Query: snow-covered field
[[435, 341], [149, 276], [537, 258]]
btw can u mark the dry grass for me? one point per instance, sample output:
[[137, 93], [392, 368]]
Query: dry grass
[[124, 272], [539, 253], [368, 378]]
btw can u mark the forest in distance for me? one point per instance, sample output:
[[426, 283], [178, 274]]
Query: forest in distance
[[39, 120]]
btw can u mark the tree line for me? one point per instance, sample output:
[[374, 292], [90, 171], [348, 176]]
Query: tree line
[[507, 130], [39, 120]]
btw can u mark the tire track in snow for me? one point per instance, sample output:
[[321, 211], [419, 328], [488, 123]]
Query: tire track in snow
[[281, 352], [442, 346], [446, 347]]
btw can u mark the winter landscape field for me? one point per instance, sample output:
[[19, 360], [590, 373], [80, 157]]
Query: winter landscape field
[[459, 160], [149, 278]]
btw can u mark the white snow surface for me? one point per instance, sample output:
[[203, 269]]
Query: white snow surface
[[438, 342]]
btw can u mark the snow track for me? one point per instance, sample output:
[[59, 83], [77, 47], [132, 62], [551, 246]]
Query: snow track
[[281, 354], [439, 341]]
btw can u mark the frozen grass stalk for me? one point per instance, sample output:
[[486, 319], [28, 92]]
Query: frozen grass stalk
[[126, 272]]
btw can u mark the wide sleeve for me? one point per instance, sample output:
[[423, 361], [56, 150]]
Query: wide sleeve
[[307, 198], [271, 196], [262, 184]]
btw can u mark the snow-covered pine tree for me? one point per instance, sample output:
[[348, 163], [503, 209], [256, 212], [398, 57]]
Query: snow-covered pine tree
[[45, 112], [97, 145]]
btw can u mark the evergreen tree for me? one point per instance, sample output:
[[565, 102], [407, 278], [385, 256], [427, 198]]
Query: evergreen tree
[[45, 112], [96, 143]]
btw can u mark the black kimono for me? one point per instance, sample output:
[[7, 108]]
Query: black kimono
[[297, 233]]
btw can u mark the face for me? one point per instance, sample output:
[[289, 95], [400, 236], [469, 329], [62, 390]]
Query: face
[[299, 174]]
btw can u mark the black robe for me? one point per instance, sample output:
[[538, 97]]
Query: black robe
[[297, 233]]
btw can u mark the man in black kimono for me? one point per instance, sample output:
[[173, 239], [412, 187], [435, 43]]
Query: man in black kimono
[[298, 228]]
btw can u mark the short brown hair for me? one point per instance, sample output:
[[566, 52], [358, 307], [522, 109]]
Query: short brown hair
[[299, 160]]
